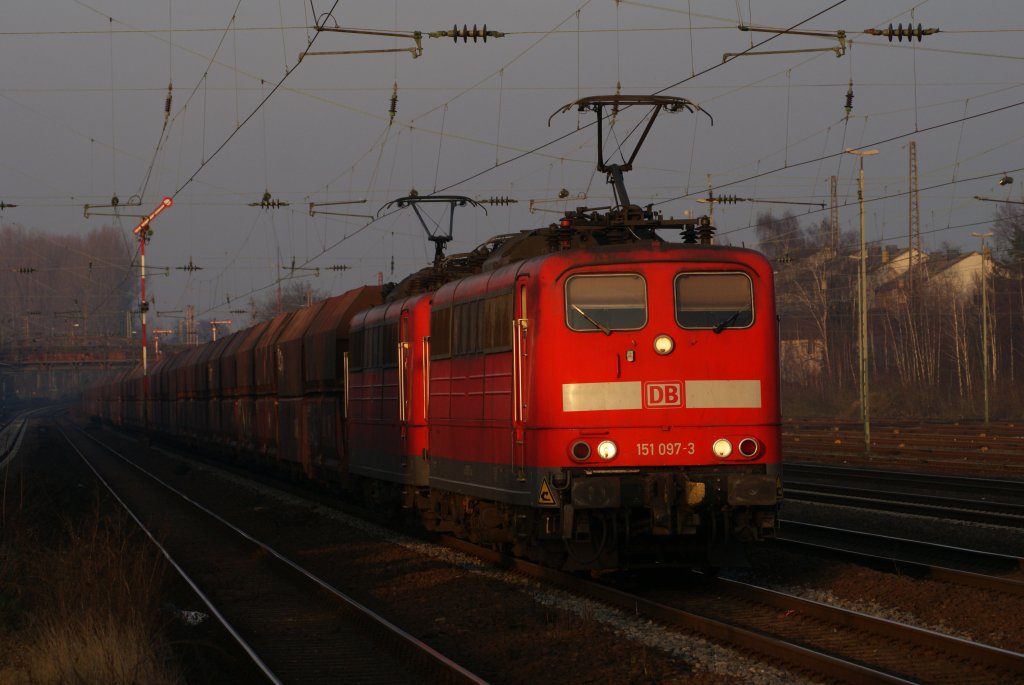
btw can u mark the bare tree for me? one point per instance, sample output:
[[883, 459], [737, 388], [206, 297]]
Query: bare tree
[[289, 296], [1009, 235], [780, 238], [64, 285]]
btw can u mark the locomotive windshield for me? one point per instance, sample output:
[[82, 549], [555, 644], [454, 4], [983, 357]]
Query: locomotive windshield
[[714, 300], [606, 302]]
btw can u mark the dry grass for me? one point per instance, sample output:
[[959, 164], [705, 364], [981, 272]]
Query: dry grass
[[82, 607]]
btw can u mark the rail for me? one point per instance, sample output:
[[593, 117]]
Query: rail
[[369, 638], [837, 643]]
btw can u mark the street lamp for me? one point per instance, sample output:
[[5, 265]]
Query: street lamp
[[984, 319], [862, 299]]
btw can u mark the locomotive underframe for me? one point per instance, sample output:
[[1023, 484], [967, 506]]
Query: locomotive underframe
[[608, 519], [671, 516]]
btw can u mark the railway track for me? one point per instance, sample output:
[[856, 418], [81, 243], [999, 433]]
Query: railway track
[[826, 641], [795, 649], [997, 448], [965, 567], [9, 437], [1009, 490], [994, 502], [432, 591], [11, 434], [294, 626]]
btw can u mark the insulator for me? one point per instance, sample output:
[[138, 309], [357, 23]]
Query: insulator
[[4, 205], [115, 201], [268, 203], [167, 102], [338, 267], [727, 199], [910, 32], [465, 33], [849, 99], [501, 200], [393, 110], [27, 270]]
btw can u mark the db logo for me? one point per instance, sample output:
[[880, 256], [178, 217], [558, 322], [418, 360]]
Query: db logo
[[666, 394]]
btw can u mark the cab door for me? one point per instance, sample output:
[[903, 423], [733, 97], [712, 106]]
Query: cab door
[[405, 376], [520, 376]]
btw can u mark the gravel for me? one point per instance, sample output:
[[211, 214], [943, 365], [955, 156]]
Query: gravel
[[690, 659]]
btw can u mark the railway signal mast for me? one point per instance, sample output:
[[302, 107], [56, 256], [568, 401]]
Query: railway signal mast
[[214, 324], [144, 231]]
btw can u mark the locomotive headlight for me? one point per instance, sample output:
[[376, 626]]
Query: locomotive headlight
[[664, 344], [607, 450], [722, 448], [580, 450], [749, 447]]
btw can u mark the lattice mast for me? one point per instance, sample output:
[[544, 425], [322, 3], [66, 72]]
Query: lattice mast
[[914, 215]]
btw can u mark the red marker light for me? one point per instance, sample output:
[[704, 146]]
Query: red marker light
[[565, 223]]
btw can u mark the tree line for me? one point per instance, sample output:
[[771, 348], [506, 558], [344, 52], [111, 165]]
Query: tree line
[[65, 285], [927, 338], [926, 343]]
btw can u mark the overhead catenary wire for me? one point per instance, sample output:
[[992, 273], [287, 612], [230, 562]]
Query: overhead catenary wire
[[259, 106], [451, 126], [203, 81], [548, 32], [658, 92], [876, 143], [889, 196], [761, 174]]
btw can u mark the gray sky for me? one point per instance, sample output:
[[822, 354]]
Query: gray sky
[[82, 98]]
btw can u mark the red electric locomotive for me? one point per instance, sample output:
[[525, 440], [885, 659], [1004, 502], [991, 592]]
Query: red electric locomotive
[[593, 397], [626, 413], [585, 394]]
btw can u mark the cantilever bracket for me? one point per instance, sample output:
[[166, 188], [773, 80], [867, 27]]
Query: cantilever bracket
[[839, 36]]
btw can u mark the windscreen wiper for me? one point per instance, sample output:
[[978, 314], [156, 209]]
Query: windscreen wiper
[[725, 323], [588, 317]]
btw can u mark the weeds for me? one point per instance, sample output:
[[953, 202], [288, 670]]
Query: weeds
[[85, 606]]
